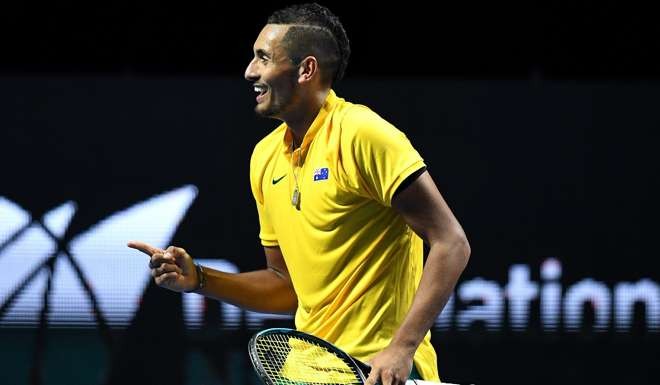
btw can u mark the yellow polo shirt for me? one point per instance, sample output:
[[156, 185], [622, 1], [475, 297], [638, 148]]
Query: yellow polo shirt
[[354, 263]]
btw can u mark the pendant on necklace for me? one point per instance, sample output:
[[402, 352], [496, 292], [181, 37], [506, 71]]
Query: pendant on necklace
[[295, 199]]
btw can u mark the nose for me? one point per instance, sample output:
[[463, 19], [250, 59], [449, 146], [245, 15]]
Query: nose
[[250, 72]]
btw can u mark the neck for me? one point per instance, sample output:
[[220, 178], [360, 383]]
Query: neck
[[300, 122]]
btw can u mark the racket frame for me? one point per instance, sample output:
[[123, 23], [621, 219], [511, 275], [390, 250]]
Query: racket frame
[[360, 368]]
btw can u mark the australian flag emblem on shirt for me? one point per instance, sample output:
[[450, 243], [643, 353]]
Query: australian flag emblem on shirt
[[321, 174]]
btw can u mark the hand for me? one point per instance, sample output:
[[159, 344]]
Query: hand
[[392, 366], [172, 268]]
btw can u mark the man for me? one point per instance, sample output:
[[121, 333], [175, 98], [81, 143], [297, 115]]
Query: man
[[344, 201]]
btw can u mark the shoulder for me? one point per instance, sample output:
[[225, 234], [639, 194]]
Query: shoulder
[[356, 116], [361, 124]]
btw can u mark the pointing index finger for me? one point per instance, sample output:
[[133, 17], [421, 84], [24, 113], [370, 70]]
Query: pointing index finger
[[144, 247]]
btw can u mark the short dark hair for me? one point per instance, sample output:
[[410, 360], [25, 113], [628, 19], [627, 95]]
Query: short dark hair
[[317, 32]]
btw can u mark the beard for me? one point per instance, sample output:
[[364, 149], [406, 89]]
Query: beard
[[278, 102], [271, 109]]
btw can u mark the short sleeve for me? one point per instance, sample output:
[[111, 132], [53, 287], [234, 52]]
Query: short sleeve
[[266, 230], [382, 157]]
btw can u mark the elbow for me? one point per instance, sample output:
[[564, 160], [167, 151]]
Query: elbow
[[456, 247], [463, 243], [465, 250], [461, 248]]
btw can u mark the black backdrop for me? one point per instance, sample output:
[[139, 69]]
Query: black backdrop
[[550, 155], [533, 170], [548, 39]]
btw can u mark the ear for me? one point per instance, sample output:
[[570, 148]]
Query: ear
[[308, 69]]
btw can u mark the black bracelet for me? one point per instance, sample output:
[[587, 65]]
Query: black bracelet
[[201, 278]]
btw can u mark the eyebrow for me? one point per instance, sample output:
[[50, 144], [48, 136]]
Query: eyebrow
[[260, 52]]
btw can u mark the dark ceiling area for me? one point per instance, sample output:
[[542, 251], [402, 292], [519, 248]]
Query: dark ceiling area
[[495, 40]]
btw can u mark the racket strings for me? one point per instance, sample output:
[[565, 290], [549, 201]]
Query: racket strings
[[288, 360]]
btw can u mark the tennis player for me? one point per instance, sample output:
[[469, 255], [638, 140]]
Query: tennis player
[[345, 203]]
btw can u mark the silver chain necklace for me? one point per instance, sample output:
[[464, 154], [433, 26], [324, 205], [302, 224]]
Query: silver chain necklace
[[295, 199]]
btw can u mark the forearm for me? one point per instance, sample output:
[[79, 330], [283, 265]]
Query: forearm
[[261, 290], [445, 263]]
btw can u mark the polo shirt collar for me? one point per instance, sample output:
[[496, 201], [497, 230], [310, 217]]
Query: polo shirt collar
[[330, 102]]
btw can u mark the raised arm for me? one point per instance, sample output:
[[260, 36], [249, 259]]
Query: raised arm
[[268, 290]]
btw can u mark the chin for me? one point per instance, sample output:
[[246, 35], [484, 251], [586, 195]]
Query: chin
[[266, 112], [261, 110], [263, 113]]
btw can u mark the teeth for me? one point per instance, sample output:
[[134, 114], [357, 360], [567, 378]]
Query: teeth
[[259, 88]]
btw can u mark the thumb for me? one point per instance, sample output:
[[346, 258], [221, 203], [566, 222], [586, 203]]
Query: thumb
[[182, 258], [373, 378], [176, 252]]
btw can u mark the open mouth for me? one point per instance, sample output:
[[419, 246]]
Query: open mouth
[[261, 91]]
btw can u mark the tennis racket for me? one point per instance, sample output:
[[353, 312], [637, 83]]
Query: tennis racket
[[289, 357]]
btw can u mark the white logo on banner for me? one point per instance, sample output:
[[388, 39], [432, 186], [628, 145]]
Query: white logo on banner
[[487, 301], [116, 274]]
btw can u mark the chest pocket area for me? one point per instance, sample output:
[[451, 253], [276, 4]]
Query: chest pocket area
[[325, 204]]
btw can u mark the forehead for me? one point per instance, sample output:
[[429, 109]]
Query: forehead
[[270, 37]]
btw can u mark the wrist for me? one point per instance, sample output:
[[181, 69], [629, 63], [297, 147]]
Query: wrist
[[405, 345], [201, 279]]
